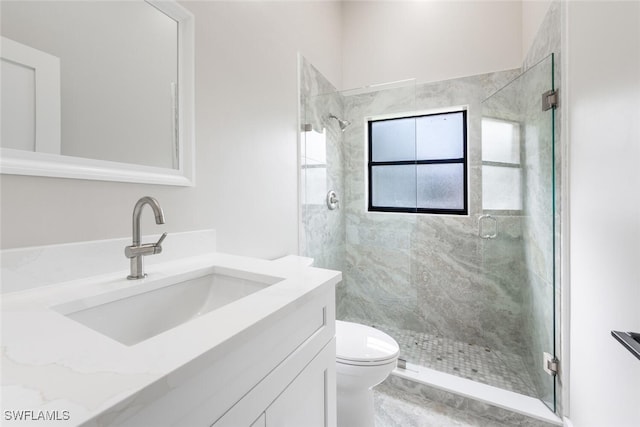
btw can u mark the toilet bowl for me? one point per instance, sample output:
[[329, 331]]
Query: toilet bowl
[[364, 358]]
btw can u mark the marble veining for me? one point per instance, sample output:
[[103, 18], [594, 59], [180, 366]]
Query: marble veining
[[428, 272], [398, 408], [432, 274], [50, 362], [323, 230], [421, 400]]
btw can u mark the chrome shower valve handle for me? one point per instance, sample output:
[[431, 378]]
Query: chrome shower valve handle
[[332, 200]]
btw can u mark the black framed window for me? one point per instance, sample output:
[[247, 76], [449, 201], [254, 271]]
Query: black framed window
[[418, 164]]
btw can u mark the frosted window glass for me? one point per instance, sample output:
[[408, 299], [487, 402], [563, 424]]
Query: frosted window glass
[[441, 186], [440, 136], [394, 186], [393, 140], [500, 141], [501, 188]]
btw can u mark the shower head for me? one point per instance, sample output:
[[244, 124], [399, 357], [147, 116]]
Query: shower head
[[342, 123]]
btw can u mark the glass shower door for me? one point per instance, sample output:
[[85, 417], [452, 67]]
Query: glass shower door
[[516, 228], [321, 173]]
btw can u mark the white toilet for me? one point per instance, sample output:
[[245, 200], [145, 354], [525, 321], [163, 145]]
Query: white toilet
[[364, 358]]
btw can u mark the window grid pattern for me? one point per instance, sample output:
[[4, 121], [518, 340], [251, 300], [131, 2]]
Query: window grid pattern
[[458, 208]]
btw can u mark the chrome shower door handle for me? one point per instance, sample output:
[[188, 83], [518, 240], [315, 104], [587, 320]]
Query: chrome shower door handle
[[490, 230]]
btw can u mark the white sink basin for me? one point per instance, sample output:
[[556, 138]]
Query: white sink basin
[[145, 310]]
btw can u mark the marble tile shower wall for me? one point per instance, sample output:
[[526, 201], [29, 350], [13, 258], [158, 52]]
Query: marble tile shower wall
[[322, 234], [431, 273]]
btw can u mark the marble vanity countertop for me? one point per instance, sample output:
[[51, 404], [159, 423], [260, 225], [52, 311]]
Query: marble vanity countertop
[[56, 369]]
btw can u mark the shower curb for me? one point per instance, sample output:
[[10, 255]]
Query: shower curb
[[482, 409]]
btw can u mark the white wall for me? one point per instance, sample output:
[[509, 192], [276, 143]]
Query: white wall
[[602, 99], [246, 131], [428, 40], [247, 107]]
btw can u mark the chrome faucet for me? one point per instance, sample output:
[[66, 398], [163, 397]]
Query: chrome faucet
[[137, 250]]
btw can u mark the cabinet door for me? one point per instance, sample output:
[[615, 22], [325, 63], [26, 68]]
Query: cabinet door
[[300, 392], [260, 422], [309, 401]]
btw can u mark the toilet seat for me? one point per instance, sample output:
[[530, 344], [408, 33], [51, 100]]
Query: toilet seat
[[362, 345]]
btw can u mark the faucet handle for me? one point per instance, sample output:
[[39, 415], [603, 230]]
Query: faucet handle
[[159, 242], [157, 248], [145, 249]]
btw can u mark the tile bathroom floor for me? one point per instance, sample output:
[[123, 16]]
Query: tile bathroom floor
[[397, 408], [466, 360]]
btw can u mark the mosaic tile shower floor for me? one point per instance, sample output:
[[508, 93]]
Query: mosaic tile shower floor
[[471, 361]]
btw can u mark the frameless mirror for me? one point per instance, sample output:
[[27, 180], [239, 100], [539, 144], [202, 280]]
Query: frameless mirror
[[97, 90]]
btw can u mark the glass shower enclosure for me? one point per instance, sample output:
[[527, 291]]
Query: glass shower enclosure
[[518, 225], [469, 295]]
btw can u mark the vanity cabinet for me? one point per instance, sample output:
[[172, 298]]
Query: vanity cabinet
[[260, 422], [267, 358], [307, 400], [300, 389], [278, 372]]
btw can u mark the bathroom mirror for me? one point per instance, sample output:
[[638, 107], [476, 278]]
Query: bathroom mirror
[[98, 90]]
